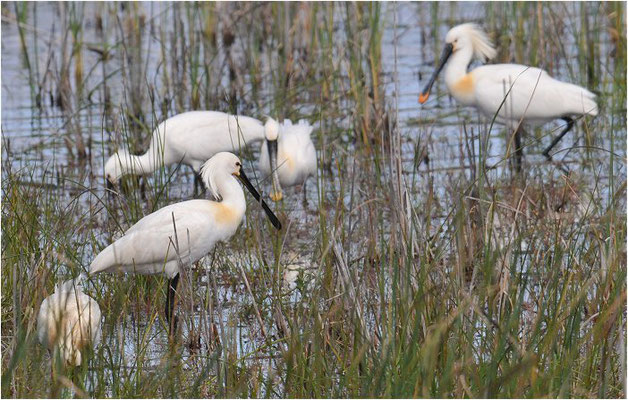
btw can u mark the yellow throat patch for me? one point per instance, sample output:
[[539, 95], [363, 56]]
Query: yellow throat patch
[[464, 85]]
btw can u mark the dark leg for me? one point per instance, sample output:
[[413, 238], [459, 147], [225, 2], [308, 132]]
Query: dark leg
[[170, 297], [518, 150], [569, 122], [198, 182], [143, 188], [303, 188]]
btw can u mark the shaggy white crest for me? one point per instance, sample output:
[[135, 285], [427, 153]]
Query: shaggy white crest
[[483, 48], [220, 163]]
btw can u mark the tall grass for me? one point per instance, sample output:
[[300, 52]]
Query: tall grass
[[420, 280]]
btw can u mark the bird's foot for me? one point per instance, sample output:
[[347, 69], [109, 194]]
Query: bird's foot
[[276, 196]]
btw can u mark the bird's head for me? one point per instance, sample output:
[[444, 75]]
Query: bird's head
[[462, 38], [223, 164], [113, 167], [470, 36], [271, 129]]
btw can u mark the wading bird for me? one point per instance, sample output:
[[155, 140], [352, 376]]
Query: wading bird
[[69, 322], [293, 157], [513, 93], [192, 138], [180, 234]]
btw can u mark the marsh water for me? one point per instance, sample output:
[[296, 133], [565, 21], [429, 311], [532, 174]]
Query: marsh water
[[139, 64]]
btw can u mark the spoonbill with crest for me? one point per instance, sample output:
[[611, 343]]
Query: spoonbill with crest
[[513, 93], [180, 234]]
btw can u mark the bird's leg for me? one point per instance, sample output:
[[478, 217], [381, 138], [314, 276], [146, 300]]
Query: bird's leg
[[518, 150], [569, 122], [143, 188], [198, 182], [195, 184], [303, 188], [172, 291]]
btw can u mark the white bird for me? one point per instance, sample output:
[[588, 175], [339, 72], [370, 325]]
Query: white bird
[[192, 138], [69, 322], [510, 92], [295, 156], [180, 234]]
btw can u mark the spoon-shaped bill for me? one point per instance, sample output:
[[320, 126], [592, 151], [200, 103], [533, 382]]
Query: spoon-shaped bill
[[276, 194], [425, 93], [273, 218]]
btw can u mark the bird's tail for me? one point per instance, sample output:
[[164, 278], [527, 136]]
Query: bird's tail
[[302, 127], [580, 101]]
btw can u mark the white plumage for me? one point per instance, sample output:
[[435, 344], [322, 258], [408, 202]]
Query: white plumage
[[151, 247], [69, 322], [512, 92], [530, 94], [190, 138], [195, 136], [296, 155], [180, 234]]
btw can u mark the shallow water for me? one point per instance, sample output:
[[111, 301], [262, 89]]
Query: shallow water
[[34, 141]]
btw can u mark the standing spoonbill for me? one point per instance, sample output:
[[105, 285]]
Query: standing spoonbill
[[180, 234], [69, 322], [293, 157], [192, 138], [511, 92]]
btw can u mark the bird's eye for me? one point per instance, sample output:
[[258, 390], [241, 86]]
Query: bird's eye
[[238, 164]]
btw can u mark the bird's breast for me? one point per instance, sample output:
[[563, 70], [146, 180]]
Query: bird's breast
[[463, 89], [227, 216]]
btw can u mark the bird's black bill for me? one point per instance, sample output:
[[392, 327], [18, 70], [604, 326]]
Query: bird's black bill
[[425, 93], [273, 218], [276, 193]]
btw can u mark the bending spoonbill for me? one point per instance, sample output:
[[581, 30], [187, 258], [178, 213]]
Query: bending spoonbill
[[512, 92], [181, 234], [293, 156], [192, 138], [69, 322]]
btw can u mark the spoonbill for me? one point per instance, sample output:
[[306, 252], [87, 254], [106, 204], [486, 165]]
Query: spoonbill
[[69, 322], [180, 234], [293, 157], [513, 93], [192, 138]]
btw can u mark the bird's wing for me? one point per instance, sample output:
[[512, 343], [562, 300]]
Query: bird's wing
[[530, 93], [308, 155], [523, 88], [152, 241], [163, 216], [198, 135]]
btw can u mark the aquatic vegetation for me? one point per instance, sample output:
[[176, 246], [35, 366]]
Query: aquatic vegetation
[[428, 271]]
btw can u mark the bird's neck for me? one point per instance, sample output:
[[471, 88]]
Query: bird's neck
[[139, 165], [460, 84], [457, 66], [232, 195]]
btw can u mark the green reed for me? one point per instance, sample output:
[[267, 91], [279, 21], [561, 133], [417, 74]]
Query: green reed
[[471, 286]]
